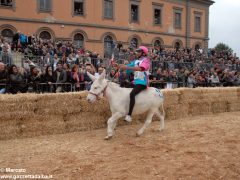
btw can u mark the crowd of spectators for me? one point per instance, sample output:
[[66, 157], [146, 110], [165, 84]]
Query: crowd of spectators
[[62, 67]]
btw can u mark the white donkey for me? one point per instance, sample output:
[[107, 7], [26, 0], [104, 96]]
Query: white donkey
[[149, 101]]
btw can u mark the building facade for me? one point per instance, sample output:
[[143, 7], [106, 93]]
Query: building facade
[[98, 25]]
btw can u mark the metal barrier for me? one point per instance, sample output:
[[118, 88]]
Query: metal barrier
[[71, 87]]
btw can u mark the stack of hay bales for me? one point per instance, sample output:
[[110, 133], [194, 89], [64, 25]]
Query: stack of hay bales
[[28, 115], [184, 102]]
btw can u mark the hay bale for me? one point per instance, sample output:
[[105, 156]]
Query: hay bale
[[40, 125], [234, 106], [186, 94], [219, 106], [171, 97], [176, 111], [199, 108]]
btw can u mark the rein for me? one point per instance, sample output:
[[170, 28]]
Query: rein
[[97, 95]]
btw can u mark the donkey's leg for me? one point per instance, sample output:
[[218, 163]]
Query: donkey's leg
[[161, 117], [147, 122], [112, 121]]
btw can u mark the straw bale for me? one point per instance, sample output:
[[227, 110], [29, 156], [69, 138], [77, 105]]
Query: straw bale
[[219, 106], [9, 132], [42, 125], [171, 97], [21, 106], [176, 111], [186, 95], [199, 107], [85, 121], [234, 106], [19, 98], [15, 115]]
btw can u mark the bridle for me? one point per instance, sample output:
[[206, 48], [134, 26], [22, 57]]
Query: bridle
[[97, 95]]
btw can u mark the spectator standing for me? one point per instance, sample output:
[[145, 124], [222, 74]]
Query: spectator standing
[[60, 76], [16, 41], [76, 78], [34, 78], [18, 80], [49, 79]]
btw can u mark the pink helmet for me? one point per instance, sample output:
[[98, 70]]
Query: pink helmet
[[143, 48]]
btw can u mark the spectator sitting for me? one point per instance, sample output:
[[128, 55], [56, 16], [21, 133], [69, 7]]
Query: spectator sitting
[[60, 76], [100, 70], [3, 78], [5, 56], [48, 59], [214, 79], [71, 60], [114, 76], [17, 80], [201, 81], [191, 81], [54, 62]]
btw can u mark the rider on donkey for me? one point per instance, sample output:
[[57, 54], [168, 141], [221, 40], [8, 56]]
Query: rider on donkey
[[141, 67]]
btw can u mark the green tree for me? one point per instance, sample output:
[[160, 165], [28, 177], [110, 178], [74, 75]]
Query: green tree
[[223, 47]]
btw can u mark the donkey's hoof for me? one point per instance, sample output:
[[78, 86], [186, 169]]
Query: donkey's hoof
[[108, 137], [160, 129], [138, 134]]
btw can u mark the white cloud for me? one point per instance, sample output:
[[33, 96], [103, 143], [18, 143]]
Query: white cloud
[[224, 24]]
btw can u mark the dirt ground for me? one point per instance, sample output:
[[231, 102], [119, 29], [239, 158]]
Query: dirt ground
[[206, 147]]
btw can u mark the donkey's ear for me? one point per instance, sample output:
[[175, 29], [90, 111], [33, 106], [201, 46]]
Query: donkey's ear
[[102, 76], [93, 78]]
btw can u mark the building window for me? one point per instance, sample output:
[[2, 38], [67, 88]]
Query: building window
[[197, 24], [178, 20], [78, 7], [78, 40], [45, 5], [177, 15], [6, 3], [134, 12], [134, 43], [108, 9], [45, 35], [8, 34], [157, 16]]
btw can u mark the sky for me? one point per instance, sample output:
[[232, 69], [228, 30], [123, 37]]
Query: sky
[[224, 24]]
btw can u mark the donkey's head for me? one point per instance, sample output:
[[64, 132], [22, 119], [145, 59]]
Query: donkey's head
[[98, 87]]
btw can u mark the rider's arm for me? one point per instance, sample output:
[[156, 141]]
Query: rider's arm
[[135, 68]]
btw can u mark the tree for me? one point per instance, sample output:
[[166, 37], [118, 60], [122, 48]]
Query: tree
[[223, 47]]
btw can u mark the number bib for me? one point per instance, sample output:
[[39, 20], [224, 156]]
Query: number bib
[[139, 75]]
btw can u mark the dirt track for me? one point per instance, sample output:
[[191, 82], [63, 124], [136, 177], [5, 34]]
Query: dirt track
[[206, 147]]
